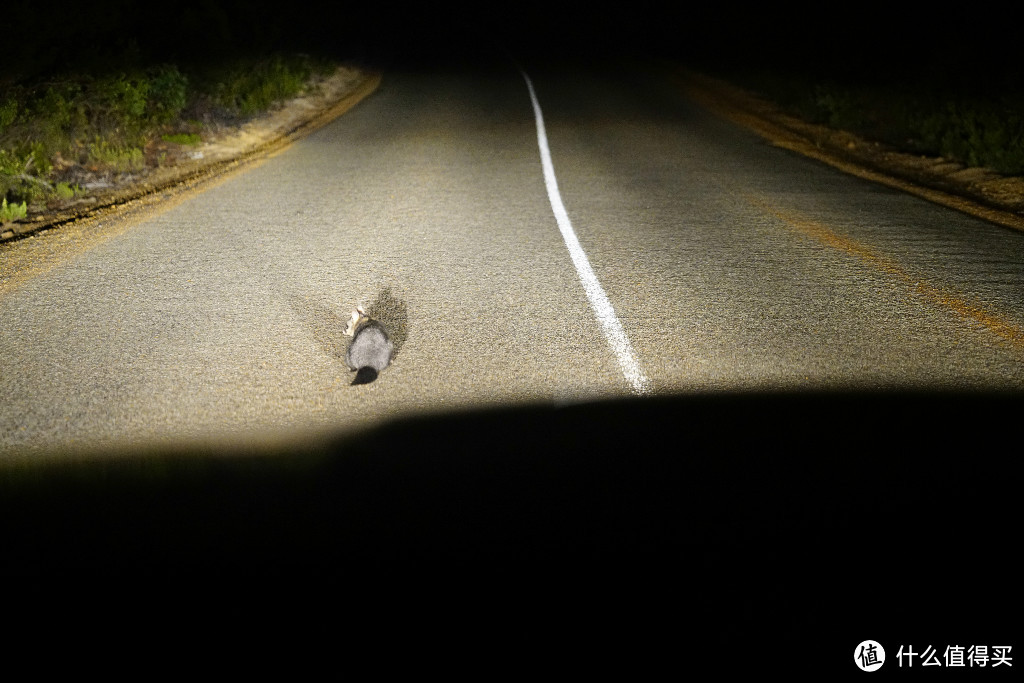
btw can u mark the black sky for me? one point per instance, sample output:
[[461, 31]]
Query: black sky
[[873, 40]]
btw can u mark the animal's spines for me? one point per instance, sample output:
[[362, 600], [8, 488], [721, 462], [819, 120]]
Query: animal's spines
[[358, 319]]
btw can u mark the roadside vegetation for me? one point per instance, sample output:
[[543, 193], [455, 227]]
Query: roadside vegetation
[[974, 116], [61, 132], [85, 103]]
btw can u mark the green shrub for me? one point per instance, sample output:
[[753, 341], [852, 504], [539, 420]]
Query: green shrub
[[182, 138], [12, 212], [118, 103], [12, 176], [247, 89], [121, 159], [105, 120], [8, 112], [976, 128], [56, 106], [10, 163], [168, 94], [65, 190]]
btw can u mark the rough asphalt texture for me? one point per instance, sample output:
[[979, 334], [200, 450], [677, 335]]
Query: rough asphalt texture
[[683, 531], [727, 261]]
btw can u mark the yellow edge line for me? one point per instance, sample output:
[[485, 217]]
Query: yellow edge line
[[780, 137], [937, 295], [788, 140]]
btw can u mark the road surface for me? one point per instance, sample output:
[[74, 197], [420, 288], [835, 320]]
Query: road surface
[[726, 264], [687, 526]]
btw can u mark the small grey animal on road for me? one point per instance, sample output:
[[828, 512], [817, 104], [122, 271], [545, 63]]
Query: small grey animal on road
[[370, 350]]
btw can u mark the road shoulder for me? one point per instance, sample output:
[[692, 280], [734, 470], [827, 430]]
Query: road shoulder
[[979, 192], [221, 152]]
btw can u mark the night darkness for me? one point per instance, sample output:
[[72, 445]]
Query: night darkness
[[880, 41], [234, 514]]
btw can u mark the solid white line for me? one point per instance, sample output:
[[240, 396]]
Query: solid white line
[[610, 324]]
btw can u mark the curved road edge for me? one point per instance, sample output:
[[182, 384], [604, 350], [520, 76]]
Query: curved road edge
[[263, 136], [977, 192]]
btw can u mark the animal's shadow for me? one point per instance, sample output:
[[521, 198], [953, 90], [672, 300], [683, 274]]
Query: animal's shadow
[[393, 314], [328, 325]]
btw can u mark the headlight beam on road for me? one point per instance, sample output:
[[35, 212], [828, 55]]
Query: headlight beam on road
[[610, 325]]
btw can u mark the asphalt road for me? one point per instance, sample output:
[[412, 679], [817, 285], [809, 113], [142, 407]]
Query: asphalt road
[[730, 264], [790, 482]]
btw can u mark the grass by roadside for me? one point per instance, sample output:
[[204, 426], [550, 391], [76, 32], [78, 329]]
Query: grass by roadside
[[974, 118], [67, 132]]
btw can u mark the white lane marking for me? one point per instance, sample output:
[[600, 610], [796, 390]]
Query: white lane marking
[[610, 324]]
